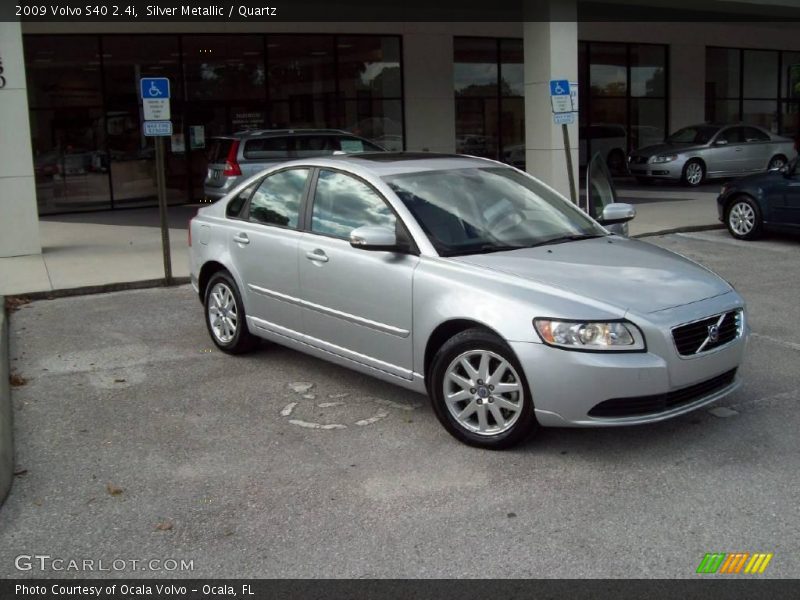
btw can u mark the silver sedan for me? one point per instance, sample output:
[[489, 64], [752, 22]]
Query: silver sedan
[[470, 281], [693, 154]]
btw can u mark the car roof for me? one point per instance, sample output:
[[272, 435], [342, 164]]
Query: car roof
[[383, 164], [248, 133]]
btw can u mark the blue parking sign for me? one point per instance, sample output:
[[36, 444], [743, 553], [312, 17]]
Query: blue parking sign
[[559, 87], [154, 88]]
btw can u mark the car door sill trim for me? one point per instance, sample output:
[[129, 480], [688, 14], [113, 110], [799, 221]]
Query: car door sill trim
[[318, 344], [382, 327]]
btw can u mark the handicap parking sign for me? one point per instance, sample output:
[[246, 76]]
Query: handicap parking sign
[[154, 88], [559, 87]]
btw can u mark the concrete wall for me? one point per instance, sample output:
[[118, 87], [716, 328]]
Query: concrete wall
[[19, 219], [6, 445]]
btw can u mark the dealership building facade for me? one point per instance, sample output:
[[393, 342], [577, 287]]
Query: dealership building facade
[[70, 115]]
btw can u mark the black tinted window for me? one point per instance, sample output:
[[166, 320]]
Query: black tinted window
[[313, 145], [343, 203], [732, 135], [267, 147], [751, 134], [278, 197], [234, 208]]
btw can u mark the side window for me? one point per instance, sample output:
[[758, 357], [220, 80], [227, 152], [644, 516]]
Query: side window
[[343, 203], [267, 147], [352, 145], [277, 199], [313, 145], [733, 135], [751, 134], [235, 206]]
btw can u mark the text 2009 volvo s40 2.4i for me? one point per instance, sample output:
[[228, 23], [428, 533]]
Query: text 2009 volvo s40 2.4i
[[472, 282]]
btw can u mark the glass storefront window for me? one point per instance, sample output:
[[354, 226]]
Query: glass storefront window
[[512, 80], [219, 67], [608, 69], [379, 121], [300, 65], [763, 113], [63, 70], [476, 127], [790, 120], [369, 66], [760, 74], [648, 70], [790, 76], [475, 67], [128, 58], [70, 159], [722, 73]]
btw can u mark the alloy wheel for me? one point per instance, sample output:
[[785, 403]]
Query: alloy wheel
[[483, 392], [742, 218], [222, 313], [694, 173]]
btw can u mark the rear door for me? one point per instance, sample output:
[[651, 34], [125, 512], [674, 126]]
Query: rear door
[[757, 149], [726, 154], [263, 244]]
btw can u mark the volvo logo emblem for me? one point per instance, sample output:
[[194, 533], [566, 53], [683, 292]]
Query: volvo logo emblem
[[713, 333]]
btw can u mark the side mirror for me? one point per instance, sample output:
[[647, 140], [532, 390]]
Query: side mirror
[[617, 212], [375, 238]]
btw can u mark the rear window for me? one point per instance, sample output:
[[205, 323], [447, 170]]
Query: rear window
[[751, 134], [313, 145], [267, 147], [218, 149], [353, 145]]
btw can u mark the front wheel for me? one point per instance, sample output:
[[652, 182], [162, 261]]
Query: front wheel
[[777, 162], [479, 391], [743, 219], [694, 173], [225, 316]]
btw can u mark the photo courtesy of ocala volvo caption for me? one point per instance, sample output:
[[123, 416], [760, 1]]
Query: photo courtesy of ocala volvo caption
[[470, 281]]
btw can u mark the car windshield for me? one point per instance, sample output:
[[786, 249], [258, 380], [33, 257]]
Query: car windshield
[[477, 210], [693, 135]]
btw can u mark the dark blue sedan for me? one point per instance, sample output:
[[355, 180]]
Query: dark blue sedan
[[771, 200]]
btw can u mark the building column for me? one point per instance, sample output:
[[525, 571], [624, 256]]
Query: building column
[[687, 85], [551, 52], [19, 219], [430, 113]]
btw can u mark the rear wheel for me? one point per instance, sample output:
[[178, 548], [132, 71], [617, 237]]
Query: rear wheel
[[479, 391], [694, 173], [743, 219], [225, 317], [776, 162]]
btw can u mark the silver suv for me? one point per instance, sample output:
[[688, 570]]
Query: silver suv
[[234, 158]]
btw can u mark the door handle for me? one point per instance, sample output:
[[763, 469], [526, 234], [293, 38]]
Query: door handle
[[317, 255], [241, 238]]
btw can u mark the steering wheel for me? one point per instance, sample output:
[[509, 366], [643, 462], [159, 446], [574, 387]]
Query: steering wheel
[[504, 221]]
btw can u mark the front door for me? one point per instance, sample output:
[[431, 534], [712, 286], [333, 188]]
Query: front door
[[356, 303], [726, 156], [791, 212], [263, 244]]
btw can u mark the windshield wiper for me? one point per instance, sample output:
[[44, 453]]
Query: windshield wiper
[[568, 238], [485, 249]]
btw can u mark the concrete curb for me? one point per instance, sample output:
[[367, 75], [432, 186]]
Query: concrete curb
[[687, 229], [101, 289], [6, 441]]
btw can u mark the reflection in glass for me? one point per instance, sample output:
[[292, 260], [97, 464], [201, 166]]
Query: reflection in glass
[[301, 66], [761, 112], [380, 121], [760, 74], [277, 199], [512, 80], [343, 203], [475, 66], [128, 58], [476, 126], [63, 70], [223, 66], [722, 73], [790, 77], [648, 70], [368, 66], [608, 70], [69, 158]]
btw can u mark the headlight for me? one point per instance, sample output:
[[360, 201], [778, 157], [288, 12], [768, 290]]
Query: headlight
[[590, 335], [664, 158]]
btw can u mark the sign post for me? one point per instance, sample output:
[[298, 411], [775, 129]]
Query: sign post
[[564, 100], [156, 108]]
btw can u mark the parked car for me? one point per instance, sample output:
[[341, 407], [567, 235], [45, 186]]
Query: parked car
[[469, 280], [231, 159], [693, 154], [751, 205]]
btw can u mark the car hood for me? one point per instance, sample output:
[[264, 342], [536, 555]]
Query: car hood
[[667, 148], [628, 274]]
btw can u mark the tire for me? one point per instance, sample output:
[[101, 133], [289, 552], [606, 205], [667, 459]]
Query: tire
[[505, 417], [225, 316], [743, 219], [776, 162], [694, 173]]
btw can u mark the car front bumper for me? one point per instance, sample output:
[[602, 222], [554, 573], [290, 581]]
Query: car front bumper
[[567, 385], [670, 170]]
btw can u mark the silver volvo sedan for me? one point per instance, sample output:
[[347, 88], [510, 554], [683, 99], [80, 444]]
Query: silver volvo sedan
[[470, 281]]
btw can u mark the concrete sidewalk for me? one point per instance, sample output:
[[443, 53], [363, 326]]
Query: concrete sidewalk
[[110, 247]]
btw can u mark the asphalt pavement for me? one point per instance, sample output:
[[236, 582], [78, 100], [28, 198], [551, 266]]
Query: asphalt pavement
[[136, 440]]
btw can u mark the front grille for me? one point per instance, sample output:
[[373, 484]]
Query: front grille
[[644, 405], [696, 337]]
